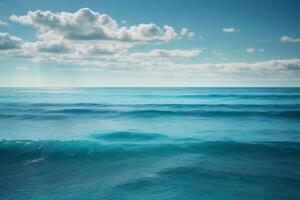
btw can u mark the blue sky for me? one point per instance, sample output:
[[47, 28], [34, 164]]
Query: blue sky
[[127, 43]]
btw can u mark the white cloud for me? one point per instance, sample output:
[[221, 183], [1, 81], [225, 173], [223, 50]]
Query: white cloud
[[112, 56], [163, 53], [229, 30], [2, 23], [174, 53], [253, 50], [270, 65], [89, 39], [51, 46], [86, 24], [86, 36], [8, 42], [250, 50], [187, 33], [287, 39]]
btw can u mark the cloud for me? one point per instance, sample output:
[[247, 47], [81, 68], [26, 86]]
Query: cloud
[[8, 42], [219, 54], [52, 47], [285, 70], [174, 53], [287, 39], [250, 50], [103, 51], [253, 50], [86, 36], [269, 65], [163, 53], [229, 30], [187, 33], [86, 24], [2, 23]]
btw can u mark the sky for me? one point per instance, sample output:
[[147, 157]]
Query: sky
[[158, 43]]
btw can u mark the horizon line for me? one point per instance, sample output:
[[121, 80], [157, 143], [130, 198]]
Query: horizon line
[[36, 87]]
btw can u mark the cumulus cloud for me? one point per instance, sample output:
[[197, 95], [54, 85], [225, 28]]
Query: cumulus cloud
[[187, 33], [229, 30], [86, 36], [97, 51], [8, 42], [86, 24], [2, 23], [52, 48], [49, 46], [287, 39]]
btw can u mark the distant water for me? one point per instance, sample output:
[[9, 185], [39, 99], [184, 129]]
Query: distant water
[[150, 143]]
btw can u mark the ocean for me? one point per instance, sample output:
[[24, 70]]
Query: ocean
[[150, 143]]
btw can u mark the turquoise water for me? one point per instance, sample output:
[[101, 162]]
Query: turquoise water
[[150, 143]]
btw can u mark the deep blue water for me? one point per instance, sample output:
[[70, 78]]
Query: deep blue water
[[150, 143]]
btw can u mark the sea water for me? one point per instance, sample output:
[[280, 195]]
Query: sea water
[[150, 143]]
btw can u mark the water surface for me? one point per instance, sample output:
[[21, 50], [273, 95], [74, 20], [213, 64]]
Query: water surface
[[150, 143]]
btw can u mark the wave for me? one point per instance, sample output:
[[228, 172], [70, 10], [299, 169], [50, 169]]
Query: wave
[[236, 96], [128, 136], [213, 113], [247, 96], [208, 177], [53, 149], [36, 106], [189, 170], [66, 113]]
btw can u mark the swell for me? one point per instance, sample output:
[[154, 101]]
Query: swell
[[45, 106], [236, 96], [216, 113], [55, 149], [151, 113], [128, 136]]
